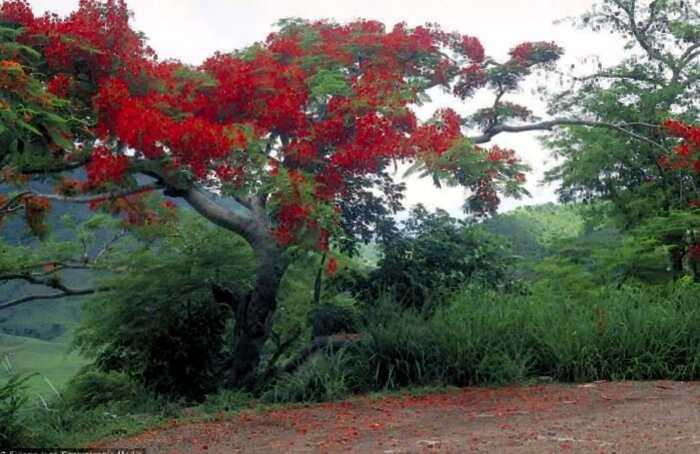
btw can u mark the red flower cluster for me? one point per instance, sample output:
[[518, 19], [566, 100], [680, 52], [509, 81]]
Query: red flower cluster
[[497, 154], [97, 35], [473, 49], [35, 211], [60, 85], [531, 53], [686, 154], [16, 12], [104, 167], [12, 76], [436, 138]]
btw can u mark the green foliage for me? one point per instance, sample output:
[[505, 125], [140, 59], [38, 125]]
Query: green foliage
[[31, 118], [433, 255], [12, 399], [326, 377], [160, 323], [92, 388], [534, 231], [328, 319], [487, 338], [329, 82], [226, 400], [651, 84], [58, 424]]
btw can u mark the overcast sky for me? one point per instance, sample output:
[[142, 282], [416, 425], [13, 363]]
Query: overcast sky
[[191, 30]]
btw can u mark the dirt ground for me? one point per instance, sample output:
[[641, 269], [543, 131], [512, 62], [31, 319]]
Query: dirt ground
[[617, 417]]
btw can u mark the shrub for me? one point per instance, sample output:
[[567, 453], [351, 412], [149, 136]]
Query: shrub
[[226, 400], [432, 256], [92, 388], [161, 324], [328, 319], [324, 378]]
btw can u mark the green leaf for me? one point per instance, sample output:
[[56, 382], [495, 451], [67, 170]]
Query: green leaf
[[329, 82]]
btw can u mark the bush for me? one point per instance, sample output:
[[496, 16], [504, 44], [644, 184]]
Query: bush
[[96, 405], [326, 377], [432, 256], [328, 319], [92, 388], [226, 400], [175, 348], [12, 399], [161, 324]]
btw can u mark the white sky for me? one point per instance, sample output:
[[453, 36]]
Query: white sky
[[191, 30]]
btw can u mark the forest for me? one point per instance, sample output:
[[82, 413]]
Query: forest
[[188, 242]]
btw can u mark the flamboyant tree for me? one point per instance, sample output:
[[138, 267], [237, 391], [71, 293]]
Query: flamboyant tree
[[297, 130]]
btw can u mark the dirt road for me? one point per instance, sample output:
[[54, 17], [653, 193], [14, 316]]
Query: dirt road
[[619, 417]]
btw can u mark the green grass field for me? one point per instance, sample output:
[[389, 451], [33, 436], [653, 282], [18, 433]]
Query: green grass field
[[50, 360], [36, 339]]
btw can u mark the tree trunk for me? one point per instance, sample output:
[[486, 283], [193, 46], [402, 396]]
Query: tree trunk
[[254, 315]]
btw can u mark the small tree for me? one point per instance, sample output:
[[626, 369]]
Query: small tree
[[433, 254]]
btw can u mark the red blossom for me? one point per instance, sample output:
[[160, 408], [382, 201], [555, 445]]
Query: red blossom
[[104, 166], [686, 155], [60, 85], [332, 266], [16, 12], [473, 49]]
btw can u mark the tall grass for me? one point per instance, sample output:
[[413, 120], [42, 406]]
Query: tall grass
[[486, 338]]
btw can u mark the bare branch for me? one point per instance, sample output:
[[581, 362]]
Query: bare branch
[[550, 124], [8, 205], [99, 197], [66, 167], [108, 246], [623, 76], [53, 296]]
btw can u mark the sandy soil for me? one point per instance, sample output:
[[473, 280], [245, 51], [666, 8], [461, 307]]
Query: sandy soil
[[618, 417]]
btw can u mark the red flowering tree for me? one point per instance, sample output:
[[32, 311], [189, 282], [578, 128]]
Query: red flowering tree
[[685, 160], [297, 129]]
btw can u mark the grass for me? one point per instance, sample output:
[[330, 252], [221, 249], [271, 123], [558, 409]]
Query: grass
[[48, 359], [486, 338]]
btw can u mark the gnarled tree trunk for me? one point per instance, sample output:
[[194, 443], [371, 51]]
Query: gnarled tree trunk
[[254, 315], [253, 321]]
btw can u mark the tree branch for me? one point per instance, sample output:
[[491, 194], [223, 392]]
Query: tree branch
[[71, 292], [98, 197], [550, 124], [623, 76], [8, 205], [230, 220], [56, 169]]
